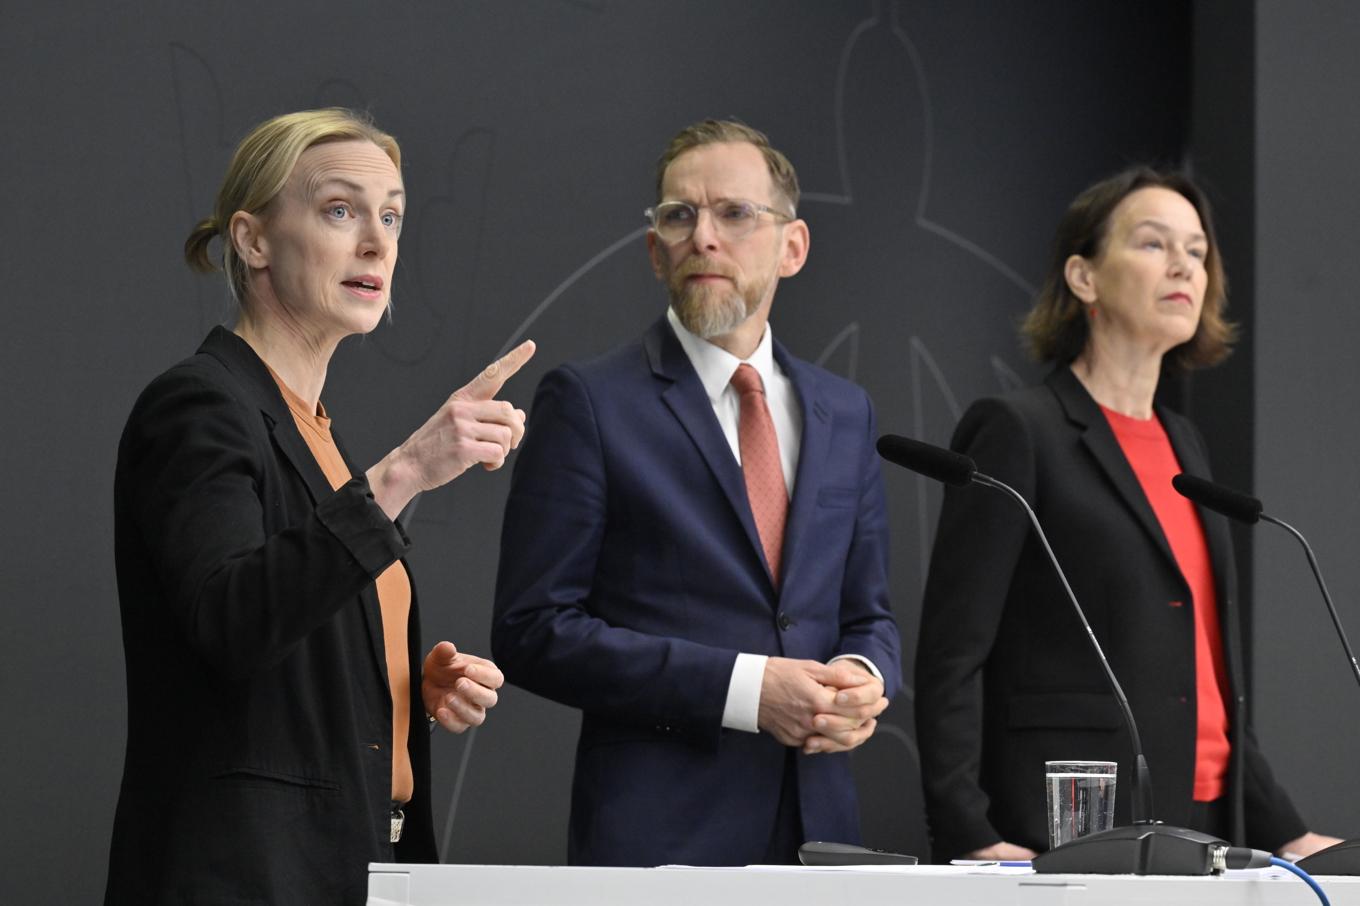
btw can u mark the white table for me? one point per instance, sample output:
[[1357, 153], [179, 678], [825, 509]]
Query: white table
[[526, 885]]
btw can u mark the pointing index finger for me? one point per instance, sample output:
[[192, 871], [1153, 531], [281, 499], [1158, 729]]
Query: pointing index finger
[[486, 385]]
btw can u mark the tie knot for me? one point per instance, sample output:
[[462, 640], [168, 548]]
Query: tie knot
[[747, 380]]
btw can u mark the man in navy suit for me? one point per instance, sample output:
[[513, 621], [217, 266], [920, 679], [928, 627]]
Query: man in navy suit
[[695, 547]]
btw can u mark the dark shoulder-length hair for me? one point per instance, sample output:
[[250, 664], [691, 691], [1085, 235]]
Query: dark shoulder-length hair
[[1056, 329]]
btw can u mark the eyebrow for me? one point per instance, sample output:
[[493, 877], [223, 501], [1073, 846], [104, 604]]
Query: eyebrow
[[1165, 228], [351, 185]]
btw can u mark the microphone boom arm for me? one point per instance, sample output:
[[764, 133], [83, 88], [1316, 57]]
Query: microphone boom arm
[[1317, 574], [1141, 805]]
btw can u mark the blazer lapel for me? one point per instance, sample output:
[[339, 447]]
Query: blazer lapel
[[1099, 439], [1218, 537], [1216, 532], [688, 402], [812, 453], [237, 355], [372, 607]]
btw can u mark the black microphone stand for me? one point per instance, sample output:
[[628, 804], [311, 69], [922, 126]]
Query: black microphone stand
[[1147, 846], [1344, 857], [1317, 574], [1341, 858]]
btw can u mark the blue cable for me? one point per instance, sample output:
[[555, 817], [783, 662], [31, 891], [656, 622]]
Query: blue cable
[[1307, 878]]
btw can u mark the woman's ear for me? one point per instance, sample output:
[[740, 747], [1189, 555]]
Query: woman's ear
[[247, 238], [1081, 279]]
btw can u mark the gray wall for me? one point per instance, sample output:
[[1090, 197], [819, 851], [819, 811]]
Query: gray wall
[[937, 144], [1307, 390]]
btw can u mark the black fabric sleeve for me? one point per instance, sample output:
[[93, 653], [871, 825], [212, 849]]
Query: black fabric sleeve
[[977, 545], [195, 468]]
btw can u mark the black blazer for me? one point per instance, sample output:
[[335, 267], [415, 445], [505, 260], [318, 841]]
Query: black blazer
[[995, 613], [259, 759]]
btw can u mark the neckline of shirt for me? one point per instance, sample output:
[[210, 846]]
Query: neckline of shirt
[[318, 422], [716, 365]]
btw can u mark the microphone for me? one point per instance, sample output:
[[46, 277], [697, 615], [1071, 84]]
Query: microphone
[[1341, 858], [931, 461], [1215, 497], [1148, 847], [1236, 505]]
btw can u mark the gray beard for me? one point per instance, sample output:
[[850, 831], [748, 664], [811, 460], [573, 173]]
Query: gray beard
[[709, 317]]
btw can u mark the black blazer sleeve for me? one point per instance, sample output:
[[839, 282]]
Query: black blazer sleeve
[[980, 538], [197, 471]]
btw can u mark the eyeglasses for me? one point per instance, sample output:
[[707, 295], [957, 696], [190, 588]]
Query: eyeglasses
[[674, 221]]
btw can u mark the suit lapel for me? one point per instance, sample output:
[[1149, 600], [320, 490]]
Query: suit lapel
[[1100, 441], [242, 361], [372, 607], [812, 452], [1218, 537], [688, 402], [1192, 461]]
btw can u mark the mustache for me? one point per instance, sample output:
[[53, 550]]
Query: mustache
[[692, 266]]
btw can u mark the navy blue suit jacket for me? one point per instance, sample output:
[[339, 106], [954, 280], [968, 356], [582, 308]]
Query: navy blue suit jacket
[[631, 575]]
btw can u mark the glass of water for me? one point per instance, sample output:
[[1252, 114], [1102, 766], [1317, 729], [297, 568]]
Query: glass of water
[[1080, 798]]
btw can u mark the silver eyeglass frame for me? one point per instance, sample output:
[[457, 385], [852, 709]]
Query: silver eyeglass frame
[[653, 214]]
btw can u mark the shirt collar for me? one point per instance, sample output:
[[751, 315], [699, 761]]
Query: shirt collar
[[716, 365]]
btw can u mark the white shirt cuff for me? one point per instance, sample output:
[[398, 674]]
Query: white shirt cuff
[[742, 711], [863, 660]]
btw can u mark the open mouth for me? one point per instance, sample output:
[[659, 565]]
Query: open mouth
[[368, 285]]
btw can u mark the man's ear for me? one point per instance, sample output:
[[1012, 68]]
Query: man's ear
[[1080, 277], [248, 239], [657, 255], [795, 251]]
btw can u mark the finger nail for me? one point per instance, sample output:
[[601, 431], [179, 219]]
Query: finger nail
[[813, 746], [842, 698]]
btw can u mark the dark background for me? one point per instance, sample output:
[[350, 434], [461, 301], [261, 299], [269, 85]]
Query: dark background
[[937, 144]]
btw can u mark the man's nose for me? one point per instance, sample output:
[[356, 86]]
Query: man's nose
[[705, 234]]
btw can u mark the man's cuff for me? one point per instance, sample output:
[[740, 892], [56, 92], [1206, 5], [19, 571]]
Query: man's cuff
[[742, 711], [863, 660]]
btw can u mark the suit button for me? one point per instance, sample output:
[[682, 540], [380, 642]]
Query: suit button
[[1183, 700], [1176, 603], [784, 621]]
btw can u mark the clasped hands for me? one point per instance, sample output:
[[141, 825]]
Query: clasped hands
[[819, 707], [458, 688]]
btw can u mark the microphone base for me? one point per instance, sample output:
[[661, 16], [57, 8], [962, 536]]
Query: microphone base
[[1150, 848], [1338, 859]]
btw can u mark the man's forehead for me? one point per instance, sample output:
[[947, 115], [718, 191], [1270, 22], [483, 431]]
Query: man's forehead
[[719, 170]]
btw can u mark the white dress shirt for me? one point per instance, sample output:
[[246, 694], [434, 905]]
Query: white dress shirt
[[715, 367]]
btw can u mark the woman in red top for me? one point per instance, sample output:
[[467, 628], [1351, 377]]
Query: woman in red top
[[1135, 285]]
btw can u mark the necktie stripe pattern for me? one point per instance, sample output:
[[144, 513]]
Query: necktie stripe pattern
[[760, 465]]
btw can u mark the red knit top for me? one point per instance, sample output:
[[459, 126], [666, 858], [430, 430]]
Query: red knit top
[[1149, 452]]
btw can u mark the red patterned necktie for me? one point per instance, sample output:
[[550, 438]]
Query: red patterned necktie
[[760, 464]]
